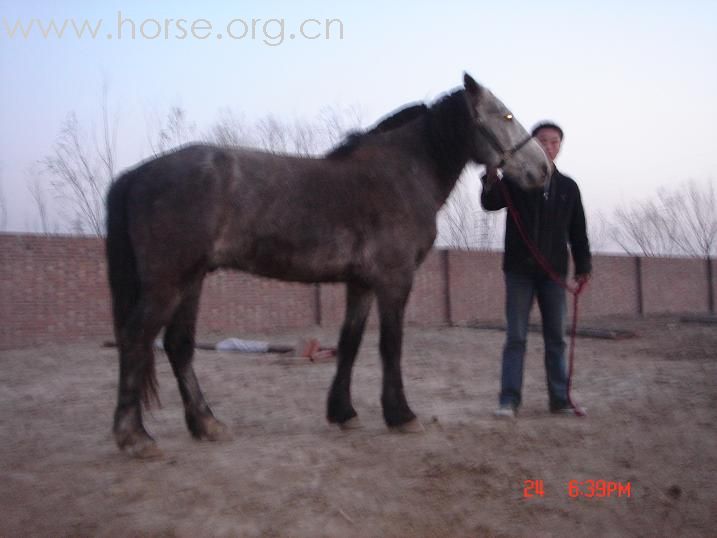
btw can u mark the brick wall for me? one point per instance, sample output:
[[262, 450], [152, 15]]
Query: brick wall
[[476, 286], [674, 285], [54, 290], [233, 300], [426, 305], [613, 289]]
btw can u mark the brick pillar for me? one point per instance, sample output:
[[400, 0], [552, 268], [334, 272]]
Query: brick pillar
[[710, 286], [638, 285]]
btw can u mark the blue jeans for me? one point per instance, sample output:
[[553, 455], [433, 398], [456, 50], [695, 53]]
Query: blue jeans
[[520, 291]]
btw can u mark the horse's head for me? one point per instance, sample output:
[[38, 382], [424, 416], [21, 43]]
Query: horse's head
[[501, 141]]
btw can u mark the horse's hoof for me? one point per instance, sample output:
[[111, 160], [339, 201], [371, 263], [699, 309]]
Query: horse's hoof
[[144, 448], [214, 430], [146, 452], [412, 426], [351, 424]]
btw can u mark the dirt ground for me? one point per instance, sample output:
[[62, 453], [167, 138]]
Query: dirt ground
[[651, 400]]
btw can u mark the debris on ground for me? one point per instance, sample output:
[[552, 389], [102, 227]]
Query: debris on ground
[[585, 332], [305, 348], [707, 319]]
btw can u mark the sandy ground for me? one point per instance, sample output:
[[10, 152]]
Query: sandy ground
[[651, 402]]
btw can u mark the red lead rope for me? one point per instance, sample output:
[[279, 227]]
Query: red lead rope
[[575, 291]]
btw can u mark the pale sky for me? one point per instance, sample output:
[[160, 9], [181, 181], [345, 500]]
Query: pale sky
[[633, 84]]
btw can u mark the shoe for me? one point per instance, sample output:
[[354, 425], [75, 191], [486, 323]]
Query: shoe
[[504, 411], [569, 411]]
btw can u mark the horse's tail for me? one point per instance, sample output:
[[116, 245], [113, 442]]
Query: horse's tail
[[124, 278]]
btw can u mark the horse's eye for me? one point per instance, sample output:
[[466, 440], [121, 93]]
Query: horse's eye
[[508, 117]]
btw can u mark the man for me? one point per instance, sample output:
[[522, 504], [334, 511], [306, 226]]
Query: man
[[552, 218]]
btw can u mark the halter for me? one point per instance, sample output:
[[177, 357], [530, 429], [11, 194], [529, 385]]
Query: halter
[[493, 140]]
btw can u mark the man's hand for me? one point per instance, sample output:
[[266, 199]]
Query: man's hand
[[490, 177], [583, 278]]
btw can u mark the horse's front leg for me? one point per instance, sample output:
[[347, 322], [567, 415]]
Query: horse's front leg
[[358, 305], [396, 412]]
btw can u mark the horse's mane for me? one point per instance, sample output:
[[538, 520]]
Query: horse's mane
[[450, 129], [400, 118], [448, 125], [390, 122]]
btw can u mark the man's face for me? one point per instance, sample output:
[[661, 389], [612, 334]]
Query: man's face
[[549, 139]]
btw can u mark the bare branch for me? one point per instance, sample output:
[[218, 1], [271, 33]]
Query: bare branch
[[457, 220], [175, 130], [229, 130], [272, 135], [38, 195], [642, 230], [680, 221], [693, 209], [598, 232], [337, 122], [109, 135], [305, 139], [81, 170], [463, 224]]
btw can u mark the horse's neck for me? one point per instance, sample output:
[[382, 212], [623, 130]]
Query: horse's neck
[[443, 168], [449, 175], [449, 160], [443, 163], [449, 132]]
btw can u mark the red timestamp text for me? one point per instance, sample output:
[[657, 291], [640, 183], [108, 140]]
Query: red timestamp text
[[589, 489], [598, 489]]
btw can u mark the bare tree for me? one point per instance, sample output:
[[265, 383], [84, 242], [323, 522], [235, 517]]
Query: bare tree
[[272, 135], [693, 210], [173, 130], [312, 137], [230, 130], [599, 232], [78, 178], [107, 150], [463, 223], [490, 224], [305, 138], [338, 121], [456, 226], [642, 229], [80, 168], [679, 221], [39, 197], [300, 136]]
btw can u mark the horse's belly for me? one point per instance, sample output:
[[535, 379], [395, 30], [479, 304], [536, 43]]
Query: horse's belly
[[285, 261]]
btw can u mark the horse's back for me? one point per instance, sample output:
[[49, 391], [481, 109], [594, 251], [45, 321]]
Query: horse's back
[[288, 217]]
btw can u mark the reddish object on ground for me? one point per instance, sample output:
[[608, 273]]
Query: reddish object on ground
[[312, 350]]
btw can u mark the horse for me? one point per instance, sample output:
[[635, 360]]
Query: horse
[[363, 214]]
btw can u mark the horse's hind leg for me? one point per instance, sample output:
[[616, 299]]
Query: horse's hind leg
[[137, 380], [396, 412], [358, 305], [179, 345]]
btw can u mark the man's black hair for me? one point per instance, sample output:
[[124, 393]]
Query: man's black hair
[[547, 125]]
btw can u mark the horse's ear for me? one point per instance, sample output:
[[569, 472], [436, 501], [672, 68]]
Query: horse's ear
[[472, 87]]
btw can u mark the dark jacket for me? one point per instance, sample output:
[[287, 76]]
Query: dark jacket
[[551, 219]]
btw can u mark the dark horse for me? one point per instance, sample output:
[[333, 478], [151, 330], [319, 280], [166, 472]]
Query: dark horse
[[365, 214]]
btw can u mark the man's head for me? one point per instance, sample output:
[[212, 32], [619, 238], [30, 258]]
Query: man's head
[[549, 136]]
